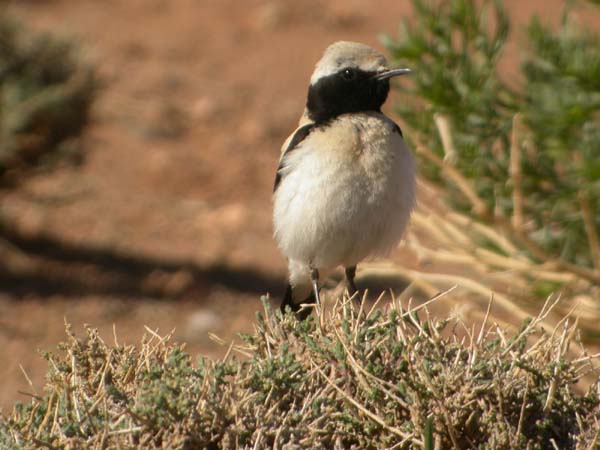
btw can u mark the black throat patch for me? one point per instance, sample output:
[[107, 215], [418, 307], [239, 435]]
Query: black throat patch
[[349, 90]]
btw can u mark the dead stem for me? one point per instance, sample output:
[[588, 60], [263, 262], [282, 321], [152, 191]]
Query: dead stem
[[479, 206], [443, 126], [516, 174]]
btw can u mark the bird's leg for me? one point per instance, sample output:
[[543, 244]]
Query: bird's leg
[[314, 278], [350, 274]]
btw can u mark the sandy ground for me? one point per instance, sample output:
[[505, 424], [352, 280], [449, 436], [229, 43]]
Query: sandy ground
[[167, 223]]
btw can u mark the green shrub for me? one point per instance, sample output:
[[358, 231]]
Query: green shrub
[[349, 380], [517, 159], [46, 90]]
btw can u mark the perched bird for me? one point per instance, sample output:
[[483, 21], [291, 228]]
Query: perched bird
[[345, 185]]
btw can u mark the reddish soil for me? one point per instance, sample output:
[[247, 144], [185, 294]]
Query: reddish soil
[[167, 223]]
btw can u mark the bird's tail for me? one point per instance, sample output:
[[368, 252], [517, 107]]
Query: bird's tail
[[299, 289], [295, 306]]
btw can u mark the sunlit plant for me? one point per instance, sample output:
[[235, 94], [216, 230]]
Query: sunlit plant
[[518, 156]]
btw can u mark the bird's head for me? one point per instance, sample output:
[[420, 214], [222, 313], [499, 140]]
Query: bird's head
[[350, 77]]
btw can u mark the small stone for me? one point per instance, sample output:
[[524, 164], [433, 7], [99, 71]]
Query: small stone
[[178, 283], [200, 323], [204, 109]]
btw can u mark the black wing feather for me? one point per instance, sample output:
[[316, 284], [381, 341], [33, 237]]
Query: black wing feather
[[298, 137], [397, 129]]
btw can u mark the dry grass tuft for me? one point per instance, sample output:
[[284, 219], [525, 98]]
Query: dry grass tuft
[[350, 378]]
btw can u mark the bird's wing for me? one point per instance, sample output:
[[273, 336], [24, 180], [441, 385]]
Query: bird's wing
[[290, 144]]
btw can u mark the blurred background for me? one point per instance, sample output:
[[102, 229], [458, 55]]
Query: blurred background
[[154, 208]]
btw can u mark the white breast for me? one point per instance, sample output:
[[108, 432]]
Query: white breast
[[346, 194]]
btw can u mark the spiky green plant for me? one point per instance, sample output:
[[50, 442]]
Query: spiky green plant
[[519, 155]]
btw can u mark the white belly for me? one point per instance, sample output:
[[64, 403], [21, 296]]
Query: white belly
[[346, 194]]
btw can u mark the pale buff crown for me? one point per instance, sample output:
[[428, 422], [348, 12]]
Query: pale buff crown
[[348, 54]]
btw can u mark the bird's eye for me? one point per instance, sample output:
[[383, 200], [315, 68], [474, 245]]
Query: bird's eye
[[349, 74]]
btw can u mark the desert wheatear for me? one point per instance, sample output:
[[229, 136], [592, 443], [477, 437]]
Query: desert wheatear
[[345, 185]]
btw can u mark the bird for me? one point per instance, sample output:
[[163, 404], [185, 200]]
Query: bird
[[345, 185]]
